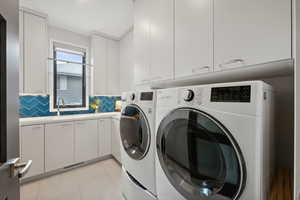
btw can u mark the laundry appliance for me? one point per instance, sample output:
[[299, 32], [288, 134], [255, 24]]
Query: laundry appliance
[[138, 145], [215, 142]]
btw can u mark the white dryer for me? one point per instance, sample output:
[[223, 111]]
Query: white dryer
[[138, 144], [214, 142]]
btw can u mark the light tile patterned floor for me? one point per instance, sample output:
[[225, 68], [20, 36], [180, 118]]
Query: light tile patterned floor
[[99, 181]]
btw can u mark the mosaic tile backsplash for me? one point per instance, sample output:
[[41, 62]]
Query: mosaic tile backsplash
[[38, 106]]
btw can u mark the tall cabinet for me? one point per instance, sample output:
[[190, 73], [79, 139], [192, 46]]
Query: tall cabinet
[[34, 48], [175, 39], [251, 32], [153, 40], [193, 37], [105, 59]]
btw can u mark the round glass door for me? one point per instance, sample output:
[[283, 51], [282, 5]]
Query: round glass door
[[135, 132], [199, 156]]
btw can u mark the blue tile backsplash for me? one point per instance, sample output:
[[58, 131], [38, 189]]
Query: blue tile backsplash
[[38, 106]]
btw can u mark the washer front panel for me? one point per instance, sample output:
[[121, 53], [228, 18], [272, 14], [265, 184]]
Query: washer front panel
[[199, 156], [135, 132]]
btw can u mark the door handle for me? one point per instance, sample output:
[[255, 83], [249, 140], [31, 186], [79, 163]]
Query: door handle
[[19, 169], [25, 168]]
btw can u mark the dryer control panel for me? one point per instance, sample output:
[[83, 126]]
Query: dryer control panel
[[231, 94]]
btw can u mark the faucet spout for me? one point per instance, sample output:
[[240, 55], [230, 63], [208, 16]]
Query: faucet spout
[[60, 102]]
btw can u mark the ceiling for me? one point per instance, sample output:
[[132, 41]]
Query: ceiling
[[109, 17]]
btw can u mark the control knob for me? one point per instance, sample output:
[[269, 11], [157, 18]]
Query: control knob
[[188, 95]]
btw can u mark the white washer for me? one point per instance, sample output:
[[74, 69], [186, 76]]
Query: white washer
[[137, 141], [214, 142]]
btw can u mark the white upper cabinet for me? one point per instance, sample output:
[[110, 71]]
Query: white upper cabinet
[[161, 39], [193, 37], [249, 32], [141, 41], [113, 67], [99, 62], [35, 39], [106, 66]]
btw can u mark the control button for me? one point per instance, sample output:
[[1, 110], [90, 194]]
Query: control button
[[188, 95], [132, 96]]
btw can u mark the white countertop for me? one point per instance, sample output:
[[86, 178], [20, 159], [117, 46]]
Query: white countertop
[[66, 118]]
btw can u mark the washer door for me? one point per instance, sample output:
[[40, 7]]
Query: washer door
[[135, 132], [199, 156]]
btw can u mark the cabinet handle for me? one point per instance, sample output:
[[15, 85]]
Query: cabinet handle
[[237, 60], [197, 69]]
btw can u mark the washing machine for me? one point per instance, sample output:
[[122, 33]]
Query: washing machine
[[215, 142], [138, 145]]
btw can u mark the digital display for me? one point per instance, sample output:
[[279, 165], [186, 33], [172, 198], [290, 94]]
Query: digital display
[[231, 94], [146, 96]]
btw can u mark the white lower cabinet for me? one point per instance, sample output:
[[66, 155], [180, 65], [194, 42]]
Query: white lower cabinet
[[86, 140], [59, 145], [32, 148], [54, 146], [104, 137], [116, 139]]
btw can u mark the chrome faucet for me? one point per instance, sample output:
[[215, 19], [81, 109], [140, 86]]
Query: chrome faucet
[[60, 101]]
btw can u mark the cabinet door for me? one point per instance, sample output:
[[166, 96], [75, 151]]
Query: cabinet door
[[35, 54], [86, 140], [32, 148], [193, 37], [161, 39], [113, 68], [116, 139], [251, 32], [104, 139], [99, 61], [59, 145], [141, 41]]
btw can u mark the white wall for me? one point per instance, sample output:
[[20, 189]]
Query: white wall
[[284, 120], [126, 63], [68, 37]]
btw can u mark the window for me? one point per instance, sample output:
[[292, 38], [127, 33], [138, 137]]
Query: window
[[69, 76]]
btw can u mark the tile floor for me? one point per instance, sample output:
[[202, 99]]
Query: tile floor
[[99, 181]]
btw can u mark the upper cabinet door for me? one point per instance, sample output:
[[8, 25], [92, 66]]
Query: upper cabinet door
[[249, 32], [193, 37], [141, 41], [35, 53], [161, 39], [113, 68], [99, 62]]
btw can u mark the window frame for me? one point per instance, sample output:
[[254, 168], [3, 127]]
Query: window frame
[[71, 48]]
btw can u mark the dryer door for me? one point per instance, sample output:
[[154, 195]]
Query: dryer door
[[135, 132], [199, 156]]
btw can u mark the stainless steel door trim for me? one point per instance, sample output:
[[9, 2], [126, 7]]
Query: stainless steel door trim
[[237, 150], [144, 116]]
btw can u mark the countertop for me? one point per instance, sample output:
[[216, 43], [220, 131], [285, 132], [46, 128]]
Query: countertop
[[66, 118]]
